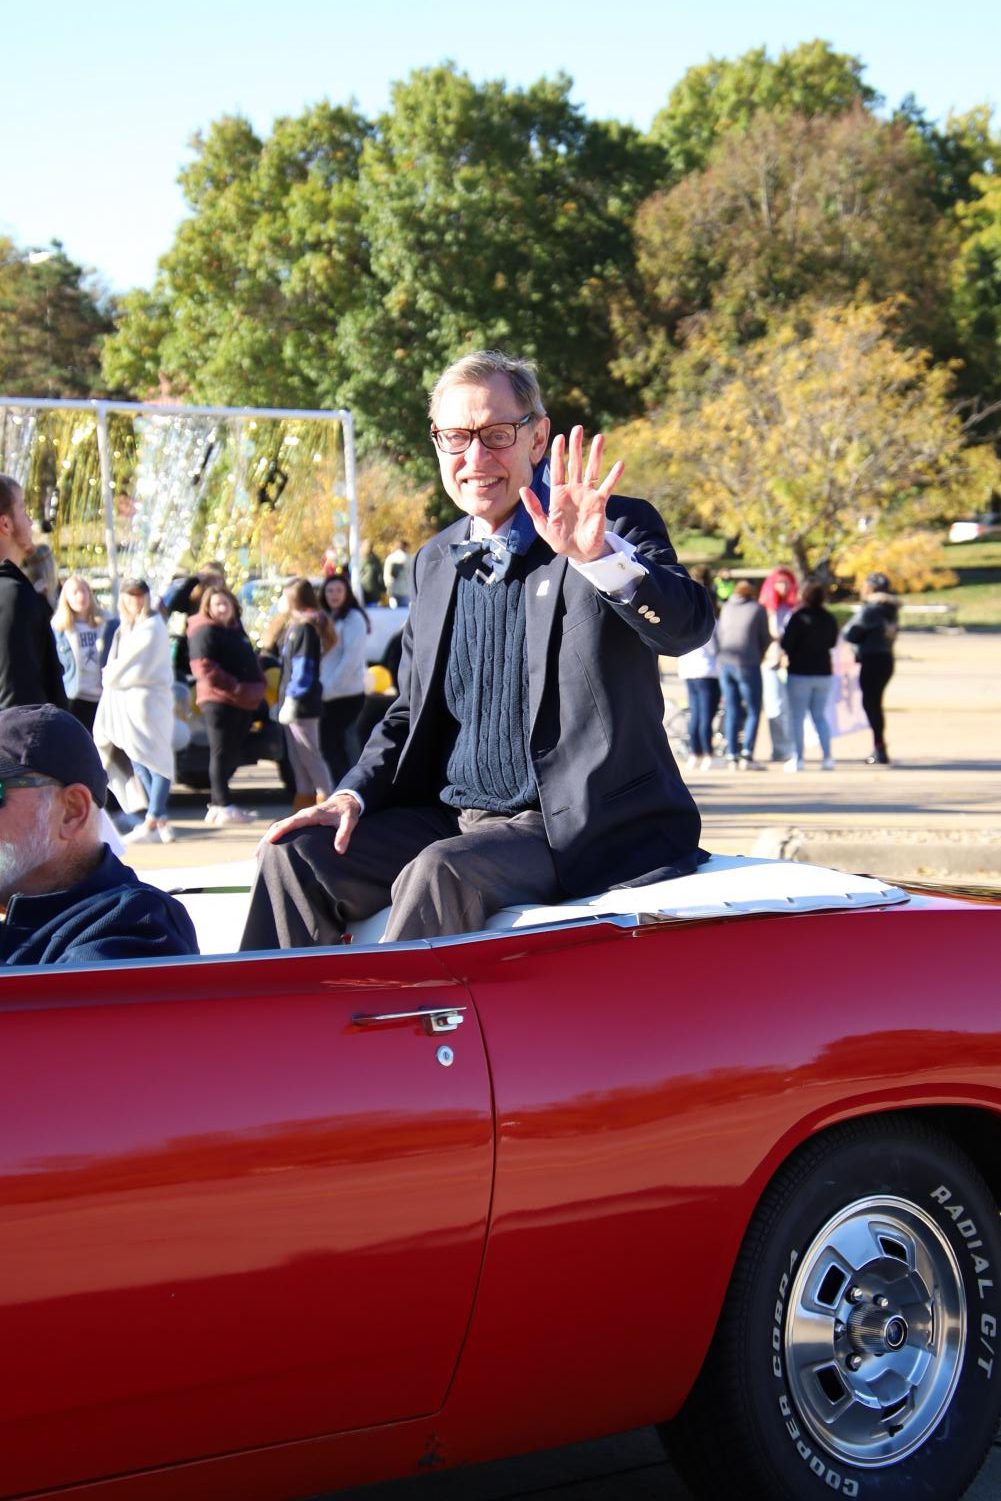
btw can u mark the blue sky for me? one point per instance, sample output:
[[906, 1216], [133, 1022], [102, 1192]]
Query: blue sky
[[98, 102]]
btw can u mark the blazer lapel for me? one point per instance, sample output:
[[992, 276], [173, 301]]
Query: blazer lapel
[[543, 592], [432, 607]]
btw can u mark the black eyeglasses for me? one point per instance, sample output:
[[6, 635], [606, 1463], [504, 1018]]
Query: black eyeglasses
[[495, 435], [25, 779]]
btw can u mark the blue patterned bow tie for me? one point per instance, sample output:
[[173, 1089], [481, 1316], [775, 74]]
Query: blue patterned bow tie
[[486, 558]]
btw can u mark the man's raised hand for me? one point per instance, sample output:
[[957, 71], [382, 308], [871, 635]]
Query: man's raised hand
[[575, 525]]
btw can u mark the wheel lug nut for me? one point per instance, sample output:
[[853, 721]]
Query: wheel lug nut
[[855, 1295], [881, 1301], [853, 1362], [839, 1329]]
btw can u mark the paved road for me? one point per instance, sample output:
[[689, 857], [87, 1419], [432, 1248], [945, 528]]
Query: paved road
[[944, 732], [944, 729], [627, 1467]]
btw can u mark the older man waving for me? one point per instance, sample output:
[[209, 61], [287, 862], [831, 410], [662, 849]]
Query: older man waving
[[525, 758]]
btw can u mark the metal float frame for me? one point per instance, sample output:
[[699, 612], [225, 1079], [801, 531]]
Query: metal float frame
[[175, 409]]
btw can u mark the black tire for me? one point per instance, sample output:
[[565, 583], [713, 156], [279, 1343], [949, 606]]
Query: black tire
[[882, 1209]]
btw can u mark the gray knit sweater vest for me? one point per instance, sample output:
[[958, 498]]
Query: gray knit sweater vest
[[486, 691]]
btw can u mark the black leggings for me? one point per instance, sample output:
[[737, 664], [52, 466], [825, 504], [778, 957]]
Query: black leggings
[[84, 709], [338, 743], [226, 727], [874, 674]]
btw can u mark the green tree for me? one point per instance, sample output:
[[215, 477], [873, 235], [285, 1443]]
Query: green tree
[[822, 438], [51, 324], [957, 152], [793, 207], [248, 300], [724, 95], [494, 217], [977, 278]]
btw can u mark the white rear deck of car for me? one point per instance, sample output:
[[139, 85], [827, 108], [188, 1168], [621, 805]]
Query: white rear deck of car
[[216, 896]]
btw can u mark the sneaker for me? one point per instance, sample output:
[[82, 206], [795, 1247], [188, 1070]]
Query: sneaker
[[878, 757], [232, 814], [143, 833], [706, 764], [828, 763], [732, 764], [212, 813], [692, 764], [795, 763], [748, 763], [164, 832]]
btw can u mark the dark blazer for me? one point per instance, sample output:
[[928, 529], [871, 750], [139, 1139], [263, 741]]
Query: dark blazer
[[614, 804]]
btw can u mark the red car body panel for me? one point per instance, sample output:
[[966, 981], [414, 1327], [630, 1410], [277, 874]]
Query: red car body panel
[[230, 1216], [236, 1223]]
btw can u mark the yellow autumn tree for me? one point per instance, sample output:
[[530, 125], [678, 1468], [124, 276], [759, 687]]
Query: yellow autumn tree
[[824, 435]]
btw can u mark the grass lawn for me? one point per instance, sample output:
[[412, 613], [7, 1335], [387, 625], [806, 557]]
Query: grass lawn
[[976, 597]]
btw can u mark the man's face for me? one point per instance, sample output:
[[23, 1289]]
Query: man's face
[[485, 481], [27, 837], [17, 526]]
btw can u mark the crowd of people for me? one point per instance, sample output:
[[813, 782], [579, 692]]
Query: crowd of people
[[117, 673], [771, 656], [524, 757]]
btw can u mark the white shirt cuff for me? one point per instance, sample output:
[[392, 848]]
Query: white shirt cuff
[[351, 793], [616, 573]]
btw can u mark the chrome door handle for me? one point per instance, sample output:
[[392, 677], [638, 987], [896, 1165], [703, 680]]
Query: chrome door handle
[[435, 1018]]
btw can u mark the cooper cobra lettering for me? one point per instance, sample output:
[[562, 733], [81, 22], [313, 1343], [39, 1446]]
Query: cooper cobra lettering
[[832, 1478], [842, 1484]]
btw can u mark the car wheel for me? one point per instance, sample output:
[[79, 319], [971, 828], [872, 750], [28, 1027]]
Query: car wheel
[[858, 1350]]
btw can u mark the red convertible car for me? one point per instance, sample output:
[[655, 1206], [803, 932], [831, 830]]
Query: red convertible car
[[721, 1154]]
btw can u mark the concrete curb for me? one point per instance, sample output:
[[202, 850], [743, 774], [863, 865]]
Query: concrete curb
[[897, 854]]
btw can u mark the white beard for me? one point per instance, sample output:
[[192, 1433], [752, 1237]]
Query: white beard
[[34, 847]]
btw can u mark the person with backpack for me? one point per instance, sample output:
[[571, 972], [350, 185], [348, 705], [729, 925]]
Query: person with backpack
[[872, 631]]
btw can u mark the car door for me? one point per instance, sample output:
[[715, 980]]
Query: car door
[[241, 1202]]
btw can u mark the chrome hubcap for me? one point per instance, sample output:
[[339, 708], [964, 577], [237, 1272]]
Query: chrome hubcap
[[875, 1331]]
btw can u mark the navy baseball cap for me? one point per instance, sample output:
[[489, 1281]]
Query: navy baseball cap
[[48, 741]]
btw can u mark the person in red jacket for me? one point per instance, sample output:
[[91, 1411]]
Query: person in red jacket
[[229, 686]]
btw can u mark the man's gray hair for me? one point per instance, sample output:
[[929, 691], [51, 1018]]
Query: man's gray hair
[[9, 492], [480, 367]]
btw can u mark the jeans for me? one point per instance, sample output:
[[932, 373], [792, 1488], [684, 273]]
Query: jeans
[[809, 694], [703, 701], [775, 703], [741, 687], [156, 788]]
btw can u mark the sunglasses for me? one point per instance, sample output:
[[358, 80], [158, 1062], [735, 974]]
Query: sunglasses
[[25, 779]]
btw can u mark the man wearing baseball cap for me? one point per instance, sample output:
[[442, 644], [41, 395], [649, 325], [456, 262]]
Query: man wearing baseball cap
[[66, 898]]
